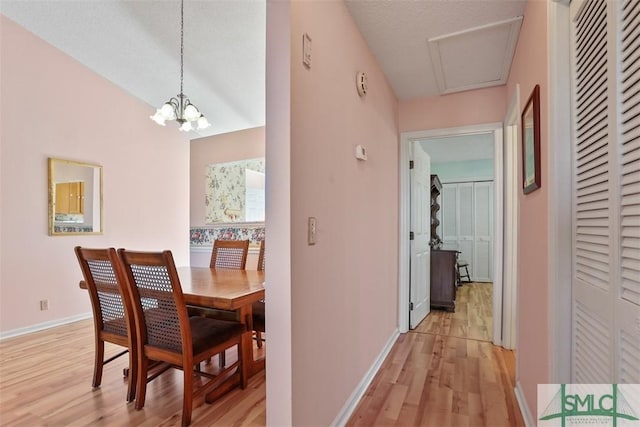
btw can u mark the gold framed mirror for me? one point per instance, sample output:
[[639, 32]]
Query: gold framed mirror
[[75, 198]]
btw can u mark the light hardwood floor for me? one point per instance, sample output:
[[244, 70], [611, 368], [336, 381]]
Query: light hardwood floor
[[435, 380], [446, 372], [45, 379], [473, 317], [431, 377]]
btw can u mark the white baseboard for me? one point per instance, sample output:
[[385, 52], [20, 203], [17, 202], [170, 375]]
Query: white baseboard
[[42, 326], [351, 403], [529, 421]]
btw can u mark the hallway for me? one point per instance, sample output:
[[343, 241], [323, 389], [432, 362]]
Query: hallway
[[446, 372]]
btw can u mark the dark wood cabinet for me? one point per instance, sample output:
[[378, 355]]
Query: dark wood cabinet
[[436, 189], [443, 279]]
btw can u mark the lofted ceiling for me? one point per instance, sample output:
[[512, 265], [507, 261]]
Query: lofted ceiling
[[136, 45]]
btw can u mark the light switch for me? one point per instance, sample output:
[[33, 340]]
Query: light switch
[[306, 50], [361, 152], [312, 231]]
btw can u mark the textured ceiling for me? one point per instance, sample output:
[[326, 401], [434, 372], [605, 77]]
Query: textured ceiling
[[397, 31], [136, 45]]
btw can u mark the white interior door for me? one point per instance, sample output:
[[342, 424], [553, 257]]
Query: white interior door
[[420, 183], [483, 232]]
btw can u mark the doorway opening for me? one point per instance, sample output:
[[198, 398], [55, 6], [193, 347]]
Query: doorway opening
[[495, 135]]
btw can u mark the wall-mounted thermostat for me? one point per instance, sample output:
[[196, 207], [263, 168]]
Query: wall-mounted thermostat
[[361, 83], [361, 152]]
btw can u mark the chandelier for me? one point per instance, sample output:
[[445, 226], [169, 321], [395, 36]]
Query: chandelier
[[180, 108]]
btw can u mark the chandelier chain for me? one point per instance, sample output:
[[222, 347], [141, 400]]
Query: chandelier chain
[[181, 44]]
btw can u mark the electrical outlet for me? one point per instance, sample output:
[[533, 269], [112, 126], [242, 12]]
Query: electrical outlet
[[44, 304]]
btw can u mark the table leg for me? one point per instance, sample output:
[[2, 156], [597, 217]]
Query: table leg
[[246, 317], [253, 366]]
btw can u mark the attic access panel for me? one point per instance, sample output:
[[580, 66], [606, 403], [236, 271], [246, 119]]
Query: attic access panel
[[475, 58]]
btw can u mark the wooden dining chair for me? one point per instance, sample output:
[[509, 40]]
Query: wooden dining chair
[[229, 254], [165, 332], [225, 255], [261, 257], [258, 307], [113, 319]]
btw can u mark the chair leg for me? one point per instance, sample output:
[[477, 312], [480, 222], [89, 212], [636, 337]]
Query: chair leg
[[222, 359], [259, 339], [132, 376], [98, 363], [187, 398], [141, 388]]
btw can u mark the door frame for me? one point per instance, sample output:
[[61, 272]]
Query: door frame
[[560, 242], [512, 218], [404, 218]]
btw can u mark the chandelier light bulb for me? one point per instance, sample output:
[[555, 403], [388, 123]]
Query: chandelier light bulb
[[191, 113], [167, 111], [186, 126], [158, 118], [203, 123]]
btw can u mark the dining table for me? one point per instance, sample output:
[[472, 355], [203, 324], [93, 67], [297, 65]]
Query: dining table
[[232, 290]]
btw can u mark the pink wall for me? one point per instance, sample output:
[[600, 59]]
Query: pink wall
[[279, 213], [344, 288], [453, 110], [54, 106], [529, 68], [227, 147]]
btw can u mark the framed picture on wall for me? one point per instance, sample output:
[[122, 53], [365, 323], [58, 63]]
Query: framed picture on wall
[[531, 143]]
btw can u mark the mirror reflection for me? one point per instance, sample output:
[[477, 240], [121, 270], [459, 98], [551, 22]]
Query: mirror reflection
[[75, 197], [235, 191]]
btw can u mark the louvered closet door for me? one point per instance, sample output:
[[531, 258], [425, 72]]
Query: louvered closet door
[[628, 303], [606, 221], [448, 222], [592, 313], [465, 224], [483, 232]]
